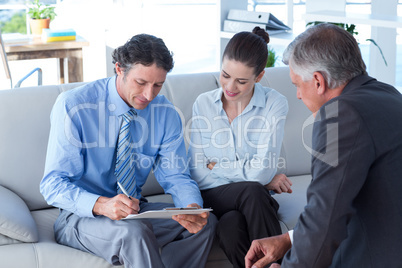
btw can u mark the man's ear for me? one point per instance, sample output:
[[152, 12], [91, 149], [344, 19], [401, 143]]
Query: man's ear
[[259, 77], [119, 70], [319, 83]]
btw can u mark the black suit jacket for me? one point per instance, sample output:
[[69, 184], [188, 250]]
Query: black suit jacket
[[353, 216]]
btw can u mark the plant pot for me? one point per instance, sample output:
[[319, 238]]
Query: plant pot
[[38, 24]]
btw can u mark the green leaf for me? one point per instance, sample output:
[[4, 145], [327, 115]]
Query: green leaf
[[382, 55], [271, 57], [38, 10]]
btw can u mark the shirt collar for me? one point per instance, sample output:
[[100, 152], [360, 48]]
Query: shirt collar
[[258, 98], [218, 95], [117, 105]]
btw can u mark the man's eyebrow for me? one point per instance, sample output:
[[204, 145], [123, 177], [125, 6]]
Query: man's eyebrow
[[160, 82], [145, 81]]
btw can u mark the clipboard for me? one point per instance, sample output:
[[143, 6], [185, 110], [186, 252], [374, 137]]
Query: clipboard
[[166, 213]]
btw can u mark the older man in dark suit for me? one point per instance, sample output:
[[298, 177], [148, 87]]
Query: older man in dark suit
[[353, 216]]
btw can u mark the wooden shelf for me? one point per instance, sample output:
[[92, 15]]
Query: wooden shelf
[[345, 17]]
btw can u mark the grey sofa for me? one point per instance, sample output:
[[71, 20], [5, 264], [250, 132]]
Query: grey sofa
[[26, 221]]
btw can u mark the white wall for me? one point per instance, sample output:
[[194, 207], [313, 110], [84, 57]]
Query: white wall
[[89, 18], [189, 30]]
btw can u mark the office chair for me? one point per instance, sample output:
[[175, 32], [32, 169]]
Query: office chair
[[3, 57]]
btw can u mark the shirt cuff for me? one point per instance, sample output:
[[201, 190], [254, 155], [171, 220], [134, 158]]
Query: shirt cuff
[[187, 200], [290, 233], [85, 204]]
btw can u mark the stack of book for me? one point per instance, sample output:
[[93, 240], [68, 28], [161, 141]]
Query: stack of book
[[51, 35], [243, 20]]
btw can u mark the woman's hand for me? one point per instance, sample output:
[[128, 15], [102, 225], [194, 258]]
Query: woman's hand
[[211, 165], [280, 184]]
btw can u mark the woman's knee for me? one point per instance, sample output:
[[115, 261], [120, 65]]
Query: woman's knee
[[231, 222], [251, 193]]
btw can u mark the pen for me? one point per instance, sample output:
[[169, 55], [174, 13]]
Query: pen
[[124, 190]]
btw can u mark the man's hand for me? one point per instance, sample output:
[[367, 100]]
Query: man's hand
[[116, 208], [193, 223], [267, 250], [274, 265], [280, 184]]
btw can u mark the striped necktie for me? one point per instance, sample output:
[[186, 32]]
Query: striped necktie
[[124, 170]]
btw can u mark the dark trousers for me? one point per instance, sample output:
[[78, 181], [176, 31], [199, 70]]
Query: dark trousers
[[246, 211]]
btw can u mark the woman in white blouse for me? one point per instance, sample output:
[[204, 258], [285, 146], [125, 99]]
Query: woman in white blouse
[[236, 138]]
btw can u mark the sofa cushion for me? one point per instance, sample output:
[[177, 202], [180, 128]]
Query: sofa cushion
[[5, 240], [292, 205], [20, 255], [51, 254], [16, 221]]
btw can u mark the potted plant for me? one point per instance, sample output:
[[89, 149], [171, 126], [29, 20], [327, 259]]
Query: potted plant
[[40, 16], [271, 57]]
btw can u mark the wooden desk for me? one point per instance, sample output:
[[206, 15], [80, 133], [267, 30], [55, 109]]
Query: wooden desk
[[36, 49]]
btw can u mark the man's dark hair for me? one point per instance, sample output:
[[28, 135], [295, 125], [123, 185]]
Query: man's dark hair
[[143, 49]]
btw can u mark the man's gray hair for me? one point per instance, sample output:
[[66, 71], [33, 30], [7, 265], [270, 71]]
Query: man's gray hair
[[328, 49]]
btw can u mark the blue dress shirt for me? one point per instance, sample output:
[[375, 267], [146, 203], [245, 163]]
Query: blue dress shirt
[[81, 154], [248, 149]]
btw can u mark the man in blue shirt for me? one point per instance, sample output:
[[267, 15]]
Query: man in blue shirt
[[81, 159]]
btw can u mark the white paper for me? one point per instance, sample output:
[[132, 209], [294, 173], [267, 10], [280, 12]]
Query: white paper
[[15, 38], [165, 214]]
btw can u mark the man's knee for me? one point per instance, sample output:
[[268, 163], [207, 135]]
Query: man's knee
[[127, 229]]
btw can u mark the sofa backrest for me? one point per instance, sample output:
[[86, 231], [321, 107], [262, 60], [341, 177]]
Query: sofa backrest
[[297, 137], [25, 125], [24, 132]]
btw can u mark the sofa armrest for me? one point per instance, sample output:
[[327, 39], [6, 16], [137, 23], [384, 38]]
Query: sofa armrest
[[16, 221]]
